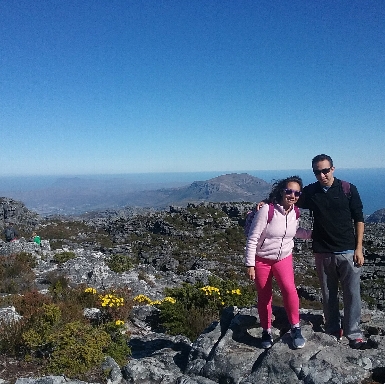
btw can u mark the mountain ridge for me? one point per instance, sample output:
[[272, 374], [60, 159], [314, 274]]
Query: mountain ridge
[[85, 195]]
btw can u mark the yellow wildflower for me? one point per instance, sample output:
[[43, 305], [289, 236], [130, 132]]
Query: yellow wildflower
[[170, 299], [90, 290]]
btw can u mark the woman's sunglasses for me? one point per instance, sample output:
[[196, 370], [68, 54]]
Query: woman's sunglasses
[[291, 191]]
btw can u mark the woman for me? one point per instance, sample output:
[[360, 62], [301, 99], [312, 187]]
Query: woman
[[269, 253]]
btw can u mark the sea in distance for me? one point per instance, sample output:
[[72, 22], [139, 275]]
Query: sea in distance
[[370, 182]]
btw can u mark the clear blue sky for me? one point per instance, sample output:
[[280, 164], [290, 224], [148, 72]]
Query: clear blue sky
[[122, 86]]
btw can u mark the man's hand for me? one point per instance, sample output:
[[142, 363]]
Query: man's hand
[[251, 273], [358, 257], [358, 253]]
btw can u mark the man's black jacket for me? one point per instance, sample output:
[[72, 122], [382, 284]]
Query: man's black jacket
[[333, 213]]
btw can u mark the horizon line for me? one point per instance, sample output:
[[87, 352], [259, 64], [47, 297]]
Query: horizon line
[[177, 172]]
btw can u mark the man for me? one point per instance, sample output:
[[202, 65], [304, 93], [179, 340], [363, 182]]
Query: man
[[10, 233], [337, 247]]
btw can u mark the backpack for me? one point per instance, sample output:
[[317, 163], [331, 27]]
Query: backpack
[[346, 188], [9, 234], [250, 216]]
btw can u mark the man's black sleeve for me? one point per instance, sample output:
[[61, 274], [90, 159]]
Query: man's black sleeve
[[356, 206]]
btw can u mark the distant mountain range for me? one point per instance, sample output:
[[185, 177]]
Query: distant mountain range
[[77, 195]]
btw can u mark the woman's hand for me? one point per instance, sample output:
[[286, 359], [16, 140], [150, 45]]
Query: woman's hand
[[251, 273], [260, 205]]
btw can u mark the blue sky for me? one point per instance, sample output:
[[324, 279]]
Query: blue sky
[[126, 86]]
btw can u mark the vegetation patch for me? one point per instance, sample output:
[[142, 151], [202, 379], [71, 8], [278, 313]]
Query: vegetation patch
[[16, 275], [54, 333], [120, 263], [62, 257], [192, 308]]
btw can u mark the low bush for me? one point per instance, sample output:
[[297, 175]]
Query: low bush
[[16, 275], [76, 348], [54, 332], [120, 263], [62, 257], [190, 309], [58, 232]]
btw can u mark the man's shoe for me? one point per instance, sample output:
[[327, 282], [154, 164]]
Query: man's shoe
[[267, 340], [371, 344], [337, 334], [358, 343], [297, 338], [363, 344]]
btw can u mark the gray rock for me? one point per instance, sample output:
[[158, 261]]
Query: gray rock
[[157, 358], [9, 315], [110, 366]]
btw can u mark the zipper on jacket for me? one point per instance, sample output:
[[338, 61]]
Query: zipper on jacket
[[280, 248]]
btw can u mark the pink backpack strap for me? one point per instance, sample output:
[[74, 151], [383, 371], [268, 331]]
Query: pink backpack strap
[[270, 213], [346, 188]]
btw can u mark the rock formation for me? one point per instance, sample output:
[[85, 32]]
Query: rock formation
[[228, 351]]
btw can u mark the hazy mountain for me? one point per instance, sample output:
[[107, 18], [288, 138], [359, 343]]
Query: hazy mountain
[[78, 195], [377, 217]]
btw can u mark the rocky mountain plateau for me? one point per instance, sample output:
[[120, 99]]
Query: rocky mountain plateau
[[188, 244]]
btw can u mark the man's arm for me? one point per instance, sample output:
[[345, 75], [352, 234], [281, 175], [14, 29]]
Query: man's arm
[[358, 253], [356, 210]]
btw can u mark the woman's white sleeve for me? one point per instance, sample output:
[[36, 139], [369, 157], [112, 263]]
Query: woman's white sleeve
[[256, 229]]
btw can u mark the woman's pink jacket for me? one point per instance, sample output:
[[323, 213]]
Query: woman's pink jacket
[[273, 241]]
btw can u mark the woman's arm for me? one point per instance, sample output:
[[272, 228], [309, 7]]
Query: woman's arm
[[257, 227]]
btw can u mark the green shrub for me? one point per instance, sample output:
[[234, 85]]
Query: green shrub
[[120, 263], [40, 327], [118, 349], [62, 257], [77, 348], [115, 305], [196, 306], [53, 328]]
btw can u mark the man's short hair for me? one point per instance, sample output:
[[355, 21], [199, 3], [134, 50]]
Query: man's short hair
[[321, 157]]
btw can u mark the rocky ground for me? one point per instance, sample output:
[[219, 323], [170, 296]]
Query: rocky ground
[[165, 249]]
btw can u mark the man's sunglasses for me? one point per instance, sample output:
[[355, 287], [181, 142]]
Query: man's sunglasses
[[291, 191], [325, 171]]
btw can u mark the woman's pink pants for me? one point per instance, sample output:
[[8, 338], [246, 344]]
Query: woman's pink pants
[[283, 272]]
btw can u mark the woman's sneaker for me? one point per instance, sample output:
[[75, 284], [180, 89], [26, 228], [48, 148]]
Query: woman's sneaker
[[267, 340], [297, 338]]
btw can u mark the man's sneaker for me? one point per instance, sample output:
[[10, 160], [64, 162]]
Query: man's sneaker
[[358, 343], [267, 340], [363, 344], [297, 338], [337, 334]]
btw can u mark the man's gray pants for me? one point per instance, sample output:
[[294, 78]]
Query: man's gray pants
[[332, 268]]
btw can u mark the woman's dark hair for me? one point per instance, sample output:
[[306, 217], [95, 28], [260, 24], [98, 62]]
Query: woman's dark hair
[[275, 194]]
